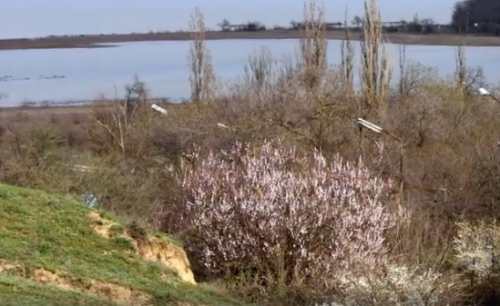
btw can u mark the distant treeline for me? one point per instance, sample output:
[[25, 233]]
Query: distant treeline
[[477, 16], [468, 17], [426, 26]]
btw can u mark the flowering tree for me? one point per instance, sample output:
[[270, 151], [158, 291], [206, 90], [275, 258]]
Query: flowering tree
[[270, 207]]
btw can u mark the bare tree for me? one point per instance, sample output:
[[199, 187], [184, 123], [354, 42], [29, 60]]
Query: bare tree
[[199, 60], [224, 25], [294, 24], [357, 22]]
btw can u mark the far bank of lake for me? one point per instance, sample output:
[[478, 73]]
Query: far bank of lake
[[59, 75], [109, 40]]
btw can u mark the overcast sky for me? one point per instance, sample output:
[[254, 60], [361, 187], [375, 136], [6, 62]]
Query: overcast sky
[[34, 18]]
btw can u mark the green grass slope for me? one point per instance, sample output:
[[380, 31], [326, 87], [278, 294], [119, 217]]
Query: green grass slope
[[51, 255]]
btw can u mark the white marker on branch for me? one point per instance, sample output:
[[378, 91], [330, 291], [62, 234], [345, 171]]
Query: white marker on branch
[[159, 109], [375, 128], [484, 92], [223, 126]]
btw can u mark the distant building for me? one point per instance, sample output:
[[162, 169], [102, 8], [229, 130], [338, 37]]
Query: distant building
[[236, 27], [334, 25], [328, 25]]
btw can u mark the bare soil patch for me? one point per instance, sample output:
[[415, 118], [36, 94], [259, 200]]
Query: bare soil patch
[[150, 248]]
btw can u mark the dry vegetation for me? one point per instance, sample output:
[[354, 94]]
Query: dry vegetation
[[304, 206]]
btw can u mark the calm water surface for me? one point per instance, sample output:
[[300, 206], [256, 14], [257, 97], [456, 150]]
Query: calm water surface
[[61, 75]]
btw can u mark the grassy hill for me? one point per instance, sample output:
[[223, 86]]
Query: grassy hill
[[53, 251]]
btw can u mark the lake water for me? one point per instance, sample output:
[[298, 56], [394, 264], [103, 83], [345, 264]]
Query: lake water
[[60, 75]]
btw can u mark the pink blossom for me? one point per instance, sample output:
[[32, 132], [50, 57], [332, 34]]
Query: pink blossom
[[248, 209]]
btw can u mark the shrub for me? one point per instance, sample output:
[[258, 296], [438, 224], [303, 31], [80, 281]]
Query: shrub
[[272, 209], [402, 285], [477, 249]]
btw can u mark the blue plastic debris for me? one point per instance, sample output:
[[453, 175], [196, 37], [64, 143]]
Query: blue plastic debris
[[89, 199]]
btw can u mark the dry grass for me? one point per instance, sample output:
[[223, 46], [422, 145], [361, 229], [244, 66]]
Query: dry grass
[[451, 158]]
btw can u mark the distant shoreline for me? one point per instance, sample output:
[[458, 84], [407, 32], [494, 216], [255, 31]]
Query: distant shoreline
[[108, 40]]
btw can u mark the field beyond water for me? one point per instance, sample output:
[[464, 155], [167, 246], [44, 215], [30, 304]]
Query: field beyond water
[[107, 40]]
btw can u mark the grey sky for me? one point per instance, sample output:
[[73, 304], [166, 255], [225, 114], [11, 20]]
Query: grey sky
[[33, 18]]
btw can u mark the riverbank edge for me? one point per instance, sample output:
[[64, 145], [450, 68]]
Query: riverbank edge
[[109, 40]]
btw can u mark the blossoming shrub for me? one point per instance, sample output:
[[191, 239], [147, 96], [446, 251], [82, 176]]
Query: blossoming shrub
[[271, 208], [477, 249], [402, 286]]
